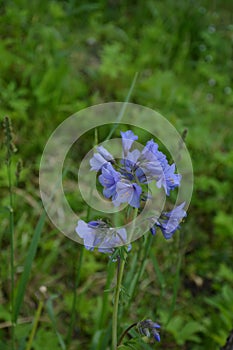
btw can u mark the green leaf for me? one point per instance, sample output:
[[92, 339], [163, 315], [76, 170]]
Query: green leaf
[[45, 339], [189, 330], [120, 116], [49, 307], [27, 267]]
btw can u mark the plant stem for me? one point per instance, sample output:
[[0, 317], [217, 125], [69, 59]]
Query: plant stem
[[122, 111], [120, 271], [126, 331], [10, 149], [11, 215], [105, 309], [11, 222], [35, 324]]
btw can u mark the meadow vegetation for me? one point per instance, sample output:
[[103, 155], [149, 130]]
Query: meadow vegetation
[[58, 57]]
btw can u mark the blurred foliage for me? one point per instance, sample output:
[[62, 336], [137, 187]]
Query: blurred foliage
[[58, 57]]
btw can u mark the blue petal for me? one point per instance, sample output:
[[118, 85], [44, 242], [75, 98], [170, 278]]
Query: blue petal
[[104, 153], [157, 336], [135, 200], [128, 138], [153, 230], [97, 161]]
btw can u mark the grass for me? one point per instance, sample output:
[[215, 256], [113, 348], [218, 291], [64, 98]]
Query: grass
[[60, 57]]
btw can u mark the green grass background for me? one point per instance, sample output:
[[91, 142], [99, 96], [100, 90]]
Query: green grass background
[[57, 57]]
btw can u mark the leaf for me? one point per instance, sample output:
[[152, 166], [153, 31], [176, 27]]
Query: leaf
[[189, 330], [27, 267], [184, 330], [101, 339], [45, 339], [159, 274], [225, 272], [49, 307], [227, 293], [119, 117]]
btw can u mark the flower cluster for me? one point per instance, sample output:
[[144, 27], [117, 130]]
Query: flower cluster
[[123, 182], [149, 329]]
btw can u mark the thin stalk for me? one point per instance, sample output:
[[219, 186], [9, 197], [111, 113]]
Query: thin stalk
[[11, 221], [76, 283], [118, 120], [120, 272], [10, 150], [105, 309], [126, 332], [175, 289], [35, 324], [11, 215]]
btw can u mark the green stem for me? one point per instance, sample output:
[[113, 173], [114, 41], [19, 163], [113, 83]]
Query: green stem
[[35, 324], [122, 111], [11, 222], [126, 332], [175, 289], [76, 283], [105, 309], [10, 149], [120, 272]]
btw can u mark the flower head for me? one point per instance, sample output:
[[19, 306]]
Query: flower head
[[143, 165], [170, 221], [150, 167], [168, 179], [127, 192], [98, 234], [152, 148], [128, 138], [100, 158], [165, 175], [123, 182], [109, 179], [149, 329]]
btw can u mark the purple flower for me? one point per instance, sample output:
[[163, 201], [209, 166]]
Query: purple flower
[[150, 168], [149, 163], [165, 175], [149, 329], [153, 230], [168, 179], [170, 221], [100, 158], [127, 192], [122, 181], [99, 234], [109, 179], [151, 149], [130, 162], [143, 167], [128, 138]]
